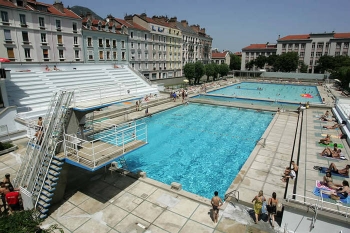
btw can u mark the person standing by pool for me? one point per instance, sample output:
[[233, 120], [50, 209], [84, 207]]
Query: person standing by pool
[[259, 199], [271, 209], [216, 202]]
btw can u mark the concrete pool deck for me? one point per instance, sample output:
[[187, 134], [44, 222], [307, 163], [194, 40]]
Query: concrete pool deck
[[105, 202]]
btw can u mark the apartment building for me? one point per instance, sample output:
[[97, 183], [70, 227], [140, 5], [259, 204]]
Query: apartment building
[[310, 47], [105, 41], [220, 57], [39, 32], [196, 43], [252, 51]]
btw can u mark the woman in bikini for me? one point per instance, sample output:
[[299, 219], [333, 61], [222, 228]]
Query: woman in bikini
[[328, 181], [326, 140], [272, 203]]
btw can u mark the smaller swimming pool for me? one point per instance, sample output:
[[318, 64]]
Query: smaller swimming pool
[[279, 92]]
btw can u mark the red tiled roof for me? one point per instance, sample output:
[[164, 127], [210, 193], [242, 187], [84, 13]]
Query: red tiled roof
[[219, 55], [342, 35], [51, 9], [296, 37], [238, 53], [259, 46], [130, 25]]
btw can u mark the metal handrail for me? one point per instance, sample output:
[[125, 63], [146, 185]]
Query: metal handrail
[[319, 204], [264, 142], [232, 194]]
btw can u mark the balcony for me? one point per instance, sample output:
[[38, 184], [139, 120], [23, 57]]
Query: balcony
[[58, 29], [100, 45], [42, 27], [7, 23], [24, 25], [26, 42]]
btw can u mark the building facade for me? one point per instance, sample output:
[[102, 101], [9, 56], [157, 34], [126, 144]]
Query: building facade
[[220, 58], [310, 47], [104, 41], [39, 32]]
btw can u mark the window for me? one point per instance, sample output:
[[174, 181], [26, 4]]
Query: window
[[89, 42], [43, 37], [346, 45], [311, 62], [302, 54], [114, 55], [164, 48], [153, 47], [327, 45], [146, 55], [22, 19], [146, 65], [170, 40], [302, 46], [59, 39], [4, 17], [42, 22], [338, 45], [123, 44], [164, 39], [45, 53], [283, 46], [114, 44], [132, 45], [7, 35], [159, 47], [139, 65], [75, 40], [153, 37], [159, 38], [312, 54], [133, 65], [75, 28], [101, 55], [145, 36], [10, 53], [320, 45], [91, 55], [138, 35], [138, 45], [61, 54], [25, 37], [345, 53], [107, 43], [313, 45], [146, 46], [139, 55], [131, 34], [123, 55], [27, 53], [108, 55], [58, 24], [337, 53], [76, 53], [100, 42], [318, 54]]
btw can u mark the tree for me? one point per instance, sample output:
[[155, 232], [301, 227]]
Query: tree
[[326, 63], [189, 71], [235, 62], [216, 68], [303, 67], [223, 69], [287, 62], [260, 61], [199, 71], [209, 70], [249, 65], [270, 60]]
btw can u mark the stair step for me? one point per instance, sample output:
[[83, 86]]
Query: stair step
[[59, 159], [48, 188], [55, 168], [50, 183], [53, 178], [46, 193], [54, 173], [43, 216], [43, 204], [43, 210], [45, 199], [57, 162]]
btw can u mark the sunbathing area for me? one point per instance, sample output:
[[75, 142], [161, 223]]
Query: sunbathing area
[[114, 202]]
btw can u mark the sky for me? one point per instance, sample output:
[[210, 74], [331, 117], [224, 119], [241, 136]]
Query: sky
[[234, 24]]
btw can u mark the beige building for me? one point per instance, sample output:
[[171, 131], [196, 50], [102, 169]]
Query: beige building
[[220, 58], [310, 47], [39, 32]]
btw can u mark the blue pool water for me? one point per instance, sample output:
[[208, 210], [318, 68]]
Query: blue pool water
[[284, 92], [203, 147], [248, 101]]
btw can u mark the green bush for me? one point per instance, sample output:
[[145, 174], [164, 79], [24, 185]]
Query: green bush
[[5, 145]]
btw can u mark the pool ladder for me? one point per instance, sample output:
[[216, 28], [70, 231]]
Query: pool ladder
[[233, 194], [263, 143]]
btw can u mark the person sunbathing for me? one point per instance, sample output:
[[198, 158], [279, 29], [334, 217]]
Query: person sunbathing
[[288, 173], [344, 171], [328, 181], [327, 152], [326, 140], [325, 116], [335, 126], [343, 192]]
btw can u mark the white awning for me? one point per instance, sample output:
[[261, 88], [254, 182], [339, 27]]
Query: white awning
[[337, 80]]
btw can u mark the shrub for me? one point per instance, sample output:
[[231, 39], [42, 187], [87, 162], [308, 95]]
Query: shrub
[[5, 145]]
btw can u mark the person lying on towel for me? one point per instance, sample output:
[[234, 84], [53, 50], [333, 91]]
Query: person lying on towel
[[344, 171]]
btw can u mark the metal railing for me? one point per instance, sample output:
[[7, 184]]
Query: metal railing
[[107, 141], [263, 143], [320, 204], [234, 194]]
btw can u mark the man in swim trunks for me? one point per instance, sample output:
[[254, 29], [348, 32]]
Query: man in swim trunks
[[216, 202], [344, 171]]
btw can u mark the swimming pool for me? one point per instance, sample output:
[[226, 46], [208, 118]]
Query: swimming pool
[[282, 92], [203, 147], [275, 104]]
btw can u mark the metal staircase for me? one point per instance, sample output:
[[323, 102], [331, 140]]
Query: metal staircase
[[40, 169]]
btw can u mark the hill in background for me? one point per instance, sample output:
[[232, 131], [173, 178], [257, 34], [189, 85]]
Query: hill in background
[[80, 10]]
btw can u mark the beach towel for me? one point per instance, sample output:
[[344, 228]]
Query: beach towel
[[342, 157], [332, 136], [331, 144], [317, 192], [321, 186], [324, 169]]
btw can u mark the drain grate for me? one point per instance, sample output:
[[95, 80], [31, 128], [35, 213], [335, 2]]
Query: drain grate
[[144, 196]]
